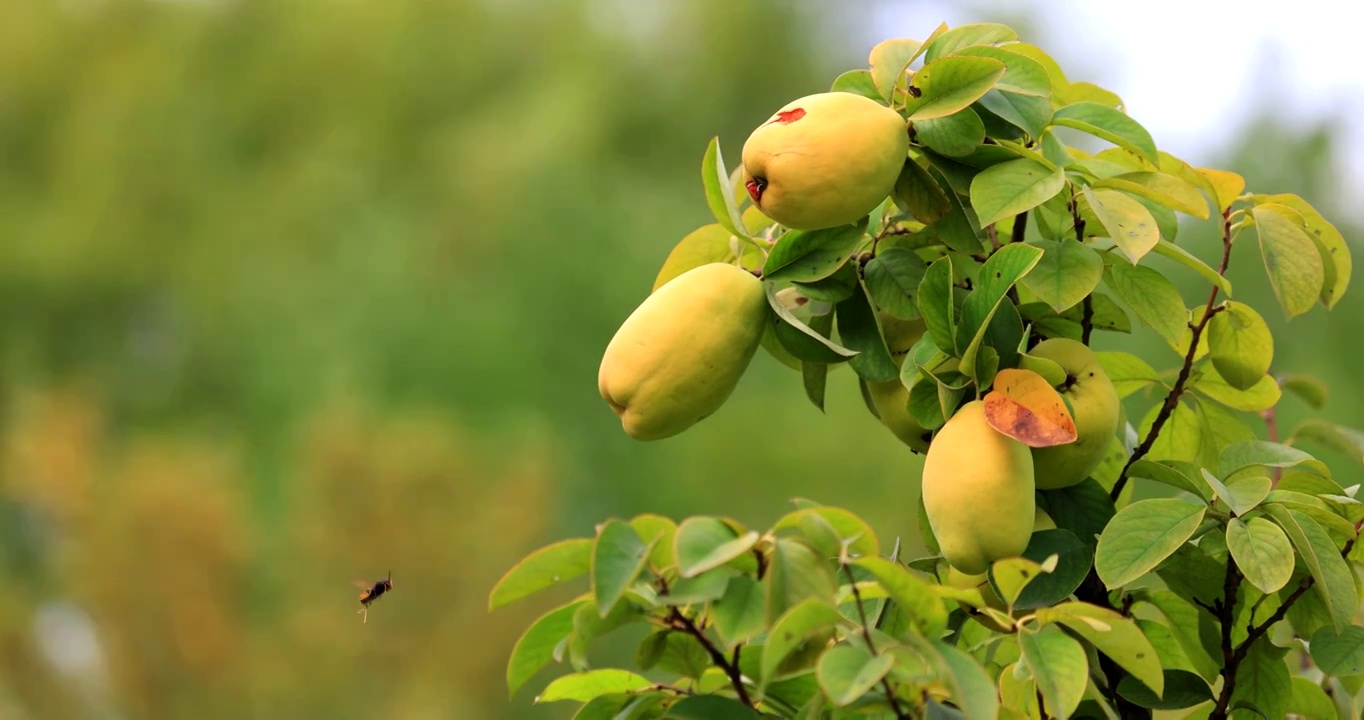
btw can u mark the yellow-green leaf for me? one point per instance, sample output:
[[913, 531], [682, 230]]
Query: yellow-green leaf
[[1291, 258], [949, 84]]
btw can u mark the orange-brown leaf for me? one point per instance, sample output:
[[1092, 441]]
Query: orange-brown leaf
[[1023, 406]]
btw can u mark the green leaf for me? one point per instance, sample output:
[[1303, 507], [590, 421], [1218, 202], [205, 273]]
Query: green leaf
[[1311, 389], [1235, 458], [955, 135], [857, 82], [964, 36], [535, 648], [1170, 474], [1116, 636], [1187, 259], [815, 379], [705, 587], [1261, 396], [1141, 535], [1183, 689], [739, 614], [1335, 582], [790, 319], [1059, 666], [1012, 187], [706, 244], [1067, 272], [795, 574], [1335, 254], [1262, 552], [618, 558], [544, 568], [1295, 270], [810, 255], [1050, 370], [1310, 702], [658, 531], [1084, 509], [1195, 629], [972, 690], [1241, 493], [831, 529], [832, 289], [791, 630], [1023, 95], [719, 192], [1344, 440], [918, 598], [1126, 371], [917, 193], [997, 275], [709, 707], [1240, 345], [683, 655], [703, 543], [1163, 188], [1109, 124], [588, 626], [1128, 222], [585, 686], [949, 84], [1262, 680], [935, 303], [893, 278], [1009, 576], [1074, 559], [1339, 654], [847, 672], [1151, 296], [888, 60], [859, 329]]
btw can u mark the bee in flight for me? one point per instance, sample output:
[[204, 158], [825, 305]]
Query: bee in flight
[[369, 592]]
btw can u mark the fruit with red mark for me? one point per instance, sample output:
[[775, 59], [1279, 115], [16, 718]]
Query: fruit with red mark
[[1094, 402], [680, 354], [825, 160]]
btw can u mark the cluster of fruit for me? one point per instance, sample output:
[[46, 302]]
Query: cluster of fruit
[[823, 161]]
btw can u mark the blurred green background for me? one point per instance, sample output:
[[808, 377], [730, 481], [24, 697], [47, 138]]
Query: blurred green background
[[297, 293]]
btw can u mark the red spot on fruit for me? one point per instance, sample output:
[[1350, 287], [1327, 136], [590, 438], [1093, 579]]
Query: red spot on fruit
[[789, 116], [755, 189]]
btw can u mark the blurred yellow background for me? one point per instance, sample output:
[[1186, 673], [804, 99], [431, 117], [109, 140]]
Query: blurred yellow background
[[294, 293]]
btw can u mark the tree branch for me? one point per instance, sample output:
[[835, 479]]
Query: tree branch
[[1020, 229], [682, 622], [871, 646], [1172, 399], [1086, 319]]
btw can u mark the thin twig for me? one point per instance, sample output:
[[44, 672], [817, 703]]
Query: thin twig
[[1020, 229], [871, 646], [1172, 399], [682, 622], [1086, 319]]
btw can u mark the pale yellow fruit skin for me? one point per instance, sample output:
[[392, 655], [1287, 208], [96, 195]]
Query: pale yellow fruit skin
[[978, 491], [891, 398], [981, 581], [1096, 407], [830, 167], [680, 354]]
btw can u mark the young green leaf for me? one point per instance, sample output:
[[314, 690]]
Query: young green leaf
[[535, 648], [1242, 493], [1067, 272], [893, 278], [935, 303], [860, 331], [1074, 559], [1087, 92], [949, 84], [1141, 535], [1335, 254], [1335, 583], [1188, 260], [1128, 222], [926, 610], [1295, 270], [550, 565], [1339, 654], [807, 256], [1151, 296], [795, 574], [1109, 124], [997, 275], [1012, 187], [719, 192], [1050, 370], [1018, 692], [847, 672], [888, 60], [1114, 635], [917, 193], [956, 135], [1240, 344], [702, 543], [585, 686], [1023, 95], [1262, 552], [618, 557], [964, 36], [792, 628], [857, 82], [1059, 665], [1163, 188]]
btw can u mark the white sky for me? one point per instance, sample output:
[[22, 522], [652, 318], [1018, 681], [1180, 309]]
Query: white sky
[[1188, 70]]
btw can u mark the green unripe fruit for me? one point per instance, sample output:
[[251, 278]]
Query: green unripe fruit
[[978, 491], [1095, 409], [680, 354], [825, 160]]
